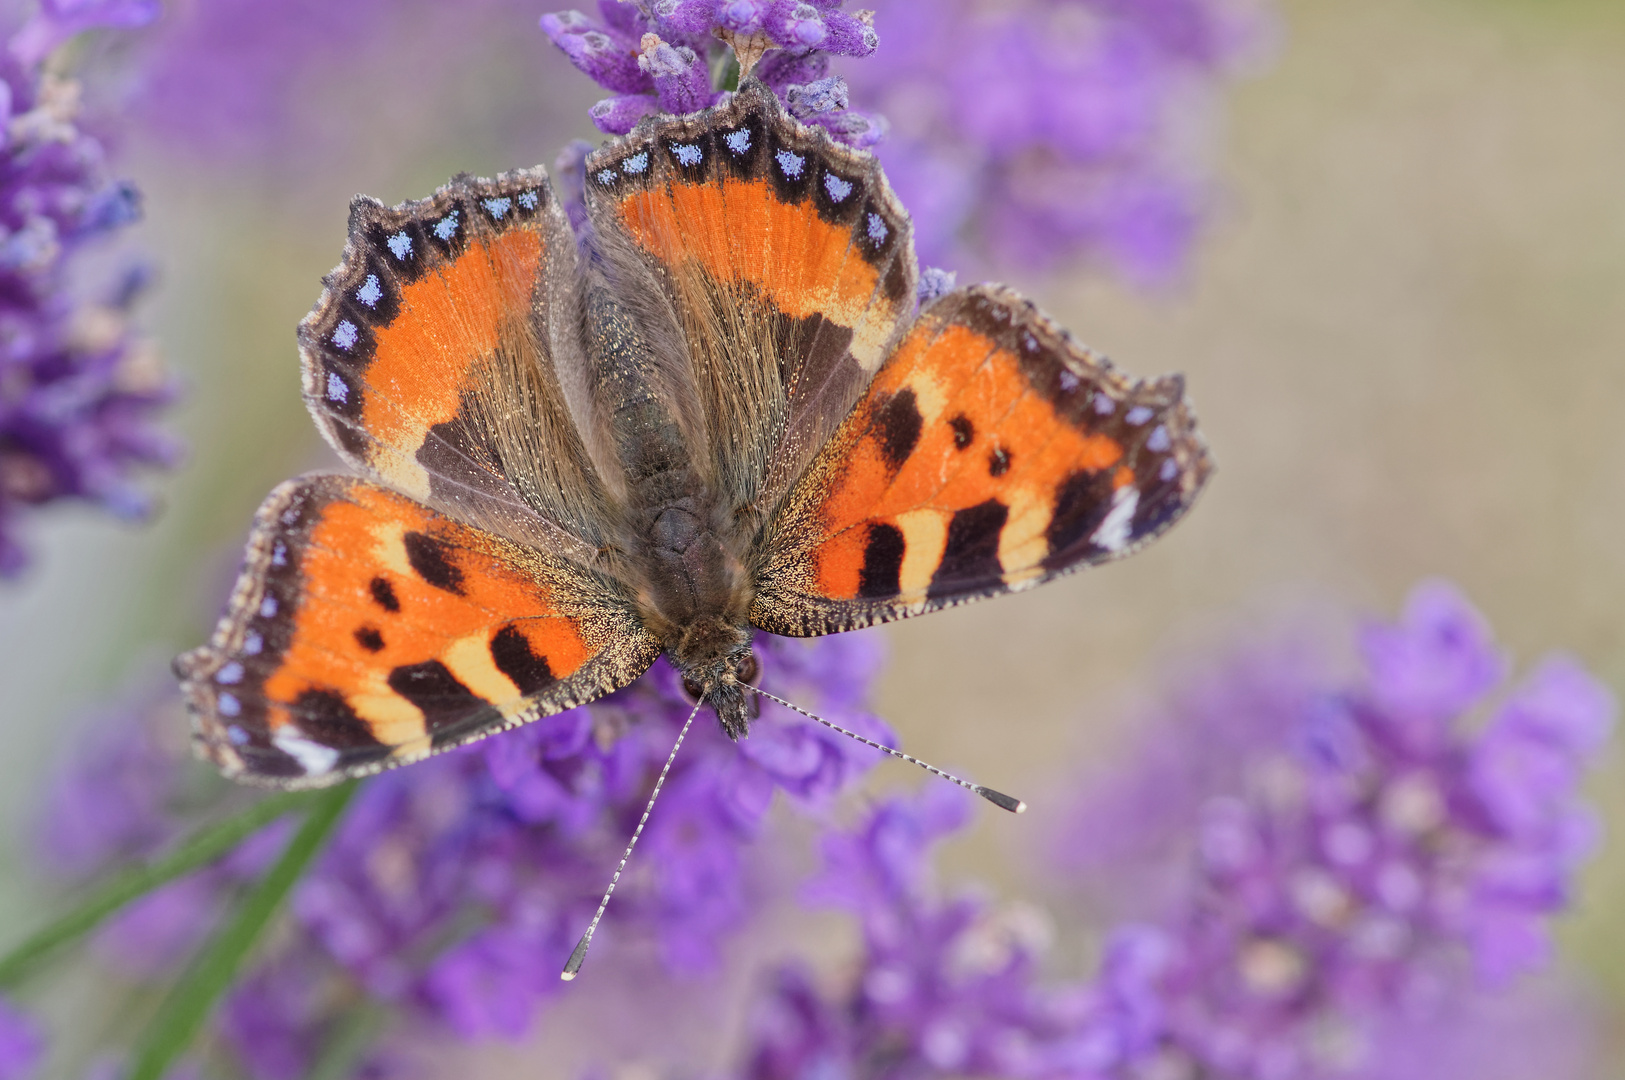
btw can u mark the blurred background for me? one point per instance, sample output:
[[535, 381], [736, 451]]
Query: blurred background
[[1402, 323]]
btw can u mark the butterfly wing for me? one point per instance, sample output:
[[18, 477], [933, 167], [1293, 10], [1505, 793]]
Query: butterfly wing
[[367, 631], [990, 454], [786, 273], [437, 359]]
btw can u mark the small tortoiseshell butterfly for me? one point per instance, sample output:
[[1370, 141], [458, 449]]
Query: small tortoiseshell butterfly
[[722, 413]]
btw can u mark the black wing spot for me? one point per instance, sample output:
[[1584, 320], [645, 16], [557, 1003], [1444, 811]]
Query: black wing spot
[[899, 421], [432, 687], [998, 461], [971, 554], [431, 559], [882, 573], [964, 431], [384, 593], [1081, 504], [326, 718], [370, 639], [511, 652]]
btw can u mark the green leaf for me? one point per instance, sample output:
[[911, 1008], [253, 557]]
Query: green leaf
[[193, 997], [201, 848]]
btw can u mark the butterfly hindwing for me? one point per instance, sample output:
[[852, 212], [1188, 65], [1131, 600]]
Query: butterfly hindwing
[[990, 454], [433, 360], [368, 630], [788, 266]]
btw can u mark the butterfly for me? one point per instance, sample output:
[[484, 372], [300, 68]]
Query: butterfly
[[723, 409]]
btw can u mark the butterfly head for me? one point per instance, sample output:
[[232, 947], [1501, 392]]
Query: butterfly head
[[716, 662]]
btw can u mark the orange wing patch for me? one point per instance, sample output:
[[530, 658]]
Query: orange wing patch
[[367, 631], [989, 454]]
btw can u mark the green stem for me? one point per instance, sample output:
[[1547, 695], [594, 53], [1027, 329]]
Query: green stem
[[192, 998], [202, 847]]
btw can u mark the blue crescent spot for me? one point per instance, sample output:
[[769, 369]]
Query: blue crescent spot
[[1169, 470], [1159, 441], [738, 141], [877, 229], [446, 226], [400, 245], [498, 207], [230, 706], [1138, 415], [336, 389], [636, 163], [1104, 405], [252, 644], [345, 335], [606, 176], [279, 554], [229, 673], [236, 734], [370, 292], [528, 200], [1069, 381], [838, 189], [268, 607], [790, 164], [687, 154]]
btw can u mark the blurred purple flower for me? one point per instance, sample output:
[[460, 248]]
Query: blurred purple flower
[[1383, 856], [456, 889], [22, 1043], [659, 55], [77, 391], [1057, 131]]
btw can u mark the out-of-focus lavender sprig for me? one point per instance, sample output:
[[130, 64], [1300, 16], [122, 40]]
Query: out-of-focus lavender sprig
[[77, 390], [22, 1043], [1055, 132], [659, 56], [455, 890], [1385, 855]]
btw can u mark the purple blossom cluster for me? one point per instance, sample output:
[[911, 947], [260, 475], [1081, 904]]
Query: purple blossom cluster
[[456, 889], [1353, 905], [77, 391], [1032, 136], [659, 56], [22, 1044]]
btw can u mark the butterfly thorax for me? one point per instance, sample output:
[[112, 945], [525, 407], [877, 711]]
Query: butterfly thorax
[[692, 590]]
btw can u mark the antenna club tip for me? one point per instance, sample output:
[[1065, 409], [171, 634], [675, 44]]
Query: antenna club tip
[[567, 975], [1021, 807], [1000, 799]]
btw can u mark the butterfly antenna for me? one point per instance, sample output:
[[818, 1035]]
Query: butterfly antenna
[[576, 958], [997, 798]]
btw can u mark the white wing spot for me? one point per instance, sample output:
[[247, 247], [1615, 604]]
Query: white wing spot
[[370, 292], [446, 226], [790, 164], [635, 164], [400, 245], [1158, 441], [877, 229], [838, 188], [345, 335], [1113, 533], [314, 758], [498, 208], [687, 154], [336, 389], [738, 141]]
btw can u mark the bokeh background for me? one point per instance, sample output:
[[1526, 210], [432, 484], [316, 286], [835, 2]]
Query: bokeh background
[[1403, 329]]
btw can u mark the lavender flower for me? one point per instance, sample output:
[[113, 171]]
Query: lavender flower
[[22, 1044], [1385, 857], [77, 392], [455, 890], [659, 56], [1054, 132]]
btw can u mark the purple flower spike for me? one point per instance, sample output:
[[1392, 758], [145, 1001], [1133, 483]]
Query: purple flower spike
[[618, 115], [793, 24], [22, 1043], [603, 55], [682, 80], [77, 392], [1438, 661], [742, 16]]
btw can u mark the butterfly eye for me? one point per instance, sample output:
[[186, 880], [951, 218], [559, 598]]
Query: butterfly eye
[[693, 689], [749, 670]]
